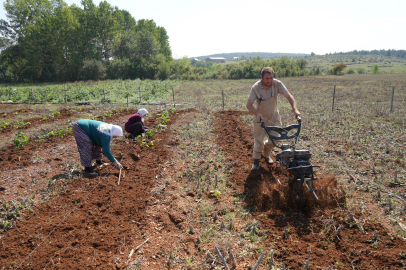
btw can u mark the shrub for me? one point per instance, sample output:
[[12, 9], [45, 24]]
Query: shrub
[[350, 71], [93, 70], [339, 68], [361, 71]]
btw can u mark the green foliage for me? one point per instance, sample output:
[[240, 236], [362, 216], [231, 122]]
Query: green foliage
[[93, 70], [361, 71], [20, 140], [47, 40], [21, 124], [375, 69], [338, 69], [350, 71], [62, 132], [116, 91]]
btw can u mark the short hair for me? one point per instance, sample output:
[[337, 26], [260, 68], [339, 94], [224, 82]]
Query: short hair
[[267, 70]]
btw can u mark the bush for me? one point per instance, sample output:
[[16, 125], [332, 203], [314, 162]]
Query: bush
[[119, 69], [375, 69], [350, 71], [339, 68], [361, 71], [93, 70]]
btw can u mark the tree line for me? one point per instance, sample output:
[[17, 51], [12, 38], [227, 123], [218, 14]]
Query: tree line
[[50, 41], [47, 40], [395, 53]]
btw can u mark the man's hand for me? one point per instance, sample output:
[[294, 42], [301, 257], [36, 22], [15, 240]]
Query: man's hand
[[251, 108], [117, 165], [259, 117], [297, 113]]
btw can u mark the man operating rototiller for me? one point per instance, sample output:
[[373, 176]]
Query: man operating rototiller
[[265, 92]]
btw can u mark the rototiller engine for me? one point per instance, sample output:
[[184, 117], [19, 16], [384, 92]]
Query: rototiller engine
[[295, 162]]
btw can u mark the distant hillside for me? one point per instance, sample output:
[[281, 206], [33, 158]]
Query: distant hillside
[[247, 55]]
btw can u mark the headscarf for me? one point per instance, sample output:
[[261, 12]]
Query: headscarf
[[142, 112], [110, 130]]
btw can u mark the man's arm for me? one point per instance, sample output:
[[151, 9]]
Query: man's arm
[[292, 102], [250, 107]]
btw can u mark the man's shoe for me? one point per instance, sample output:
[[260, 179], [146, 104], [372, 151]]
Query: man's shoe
[[89, 171], [256, 165], [269, 161]]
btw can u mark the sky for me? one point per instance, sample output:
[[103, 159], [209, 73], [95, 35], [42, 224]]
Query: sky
[[198, 28]]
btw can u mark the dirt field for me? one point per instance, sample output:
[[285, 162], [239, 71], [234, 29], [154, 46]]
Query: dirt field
[[61, 219]]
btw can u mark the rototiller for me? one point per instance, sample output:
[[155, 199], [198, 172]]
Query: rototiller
[[295, 162]]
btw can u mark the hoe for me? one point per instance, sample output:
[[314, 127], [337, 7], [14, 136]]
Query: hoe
[[296, 163]]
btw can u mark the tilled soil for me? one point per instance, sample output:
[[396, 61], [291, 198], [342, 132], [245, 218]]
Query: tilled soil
[[100, 223], [33, 121], [317, 233]]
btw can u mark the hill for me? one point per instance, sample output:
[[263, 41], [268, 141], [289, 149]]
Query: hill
[[247, 55]]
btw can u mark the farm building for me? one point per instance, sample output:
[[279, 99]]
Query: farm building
[[216, 59]]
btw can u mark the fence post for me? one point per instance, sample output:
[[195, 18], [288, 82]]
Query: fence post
[[127, 100], [334, 95], [32, 95], [222, 94], [391, 102], [104, 94], [140, 93], [173, 96], [66, 95]]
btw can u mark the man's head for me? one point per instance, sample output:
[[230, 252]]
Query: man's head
[[267, 76]]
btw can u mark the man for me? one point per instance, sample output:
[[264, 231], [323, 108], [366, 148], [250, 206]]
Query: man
[[265, 92]]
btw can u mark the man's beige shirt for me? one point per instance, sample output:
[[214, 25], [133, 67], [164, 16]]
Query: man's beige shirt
[[276, 88]]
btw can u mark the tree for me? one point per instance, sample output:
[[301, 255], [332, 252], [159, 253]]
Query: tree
[[93, 70], [339, 68], [302, 63], [375, 69]]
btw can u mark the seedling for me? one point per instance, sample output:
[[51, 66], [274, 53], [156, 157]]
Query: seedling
[[20, 140]]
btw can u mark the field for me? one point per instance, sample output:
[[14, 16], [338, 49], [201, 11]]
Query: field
[[188, 188]]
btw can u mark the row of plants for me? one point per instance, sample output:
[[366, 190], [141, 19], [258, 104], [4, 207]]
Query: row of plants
[[144, 139], [136, 91], [20, 139]]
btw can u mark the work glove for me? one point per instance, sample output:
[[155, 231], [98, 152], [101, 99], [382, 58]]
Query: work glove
[[117, 165]]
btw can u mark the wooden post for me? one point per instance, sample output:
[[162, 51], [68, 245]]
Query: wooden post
[[140, 93], [173, 97], [222, 94], [32, 95], [127, 100], [391, 102], [66, 96], [334, 95], [104, 94]]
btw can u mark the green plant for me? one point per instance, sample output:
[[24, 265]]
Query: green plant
[[21, 124], [20, 140], [62, 132], [215, 194]]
